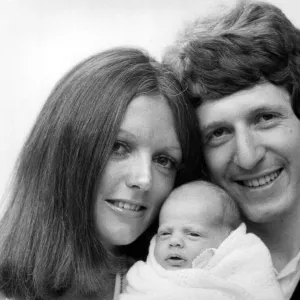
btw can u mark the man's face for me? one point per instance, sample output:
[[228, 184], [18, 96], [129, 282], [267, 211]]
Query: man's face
[[252, 149]]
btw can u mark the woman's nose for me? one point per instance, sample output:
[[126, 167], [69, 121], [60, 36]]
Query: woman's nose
[[249, 149], [140, 172]]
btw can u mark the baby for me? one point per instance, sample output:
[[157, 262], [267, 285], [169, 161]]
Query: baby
[[202, 251], [194, 220]]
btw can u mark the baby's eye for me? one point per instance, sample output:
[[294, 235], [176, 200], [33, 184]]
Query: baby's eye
[[120, 148], [194, 234], [165, 162], [163, 233]]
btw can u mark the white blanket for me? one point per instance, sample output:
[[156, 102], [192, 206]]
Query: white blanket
[[240, 269]]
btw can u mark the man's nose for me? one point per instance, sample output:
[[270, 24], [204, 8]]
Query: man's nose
[[249, 149], [140, 172]]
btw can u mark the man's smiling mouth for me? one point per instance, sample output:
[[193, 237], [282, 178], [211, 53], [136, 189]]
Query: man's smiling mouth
[[260, 181]]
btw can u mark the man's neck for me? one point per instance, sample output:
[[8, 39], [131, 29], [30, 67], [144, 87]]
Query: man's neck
[[282, 237]]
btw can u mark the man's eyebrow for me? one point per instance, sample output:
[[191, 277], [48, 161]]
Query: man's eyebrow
[[212, 125], [250, 114], [171, 148], [266, 108]]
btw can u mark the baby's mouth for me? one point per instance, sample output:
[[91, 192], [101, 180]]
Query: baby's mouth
[[175, 259]]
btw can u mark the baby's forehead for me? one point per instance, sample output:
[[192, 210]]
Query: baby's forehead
[[192, 202], [196, 191]]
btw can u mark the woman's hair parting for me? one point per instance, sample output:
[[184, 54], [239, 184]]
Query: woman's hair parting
[[220, 54], [49, 244]]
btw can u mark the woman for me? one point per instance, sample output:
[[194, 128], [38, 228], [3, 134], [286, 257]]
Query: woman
[[102, 157]]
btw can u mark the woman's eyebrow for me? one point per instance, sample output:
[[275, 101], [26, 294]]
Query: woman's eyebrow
[[126, 134]]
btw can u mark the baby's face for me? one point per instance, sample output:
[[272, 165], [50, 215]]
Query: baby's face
[[189, 223]]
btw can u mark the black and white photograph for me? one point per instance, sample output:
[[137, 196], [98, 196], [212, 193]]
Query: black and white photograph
[[150, 150]]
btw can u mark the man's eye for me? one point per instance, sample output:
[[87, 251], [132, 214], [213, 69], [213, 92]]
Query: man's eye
[[217, 137], [267, 120], [120, 148], [266, 117], [219, 132], [166, 162]]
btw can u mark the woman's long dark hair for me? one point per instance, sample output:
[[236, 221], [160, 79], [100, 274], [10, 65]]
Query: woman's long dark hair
[[49, 244]]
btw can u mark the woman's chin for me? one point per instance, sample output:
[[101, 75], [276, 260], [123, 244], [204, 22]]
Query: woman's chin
[[123, 239]]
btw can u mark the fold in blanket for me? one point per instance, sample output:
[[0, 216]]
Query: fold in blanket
[[241, 268]]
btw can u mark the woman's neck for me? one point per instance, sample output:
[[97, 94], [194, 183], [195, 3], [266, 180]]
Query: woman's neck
[[105, 294]]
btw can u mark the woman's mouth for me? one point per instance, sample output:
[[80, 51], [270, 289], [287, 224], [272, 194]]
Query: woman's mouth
[[261, 181], [125, 206]]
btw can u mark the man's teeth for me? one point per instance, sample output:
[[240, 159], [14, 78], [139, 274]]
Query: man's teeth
[[261, 181], [127, 206]]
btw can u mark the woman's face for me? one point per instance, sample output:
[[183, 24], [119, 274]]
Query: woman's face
[[140, 172]]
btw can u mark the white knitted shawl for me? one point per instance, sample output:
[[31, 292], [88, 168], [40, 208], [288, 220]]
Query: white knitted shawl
[[240, 269]]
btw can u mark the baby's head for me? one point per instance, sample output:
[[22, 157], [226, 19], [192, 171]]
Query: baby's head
[[196, 216]]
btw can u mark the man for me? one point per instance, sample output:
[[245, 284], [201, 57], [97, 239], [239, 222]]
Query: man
[[243, 72]]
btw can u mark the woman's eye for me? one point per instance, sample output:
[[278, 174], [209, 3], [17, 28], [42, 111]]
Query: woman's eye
[[166, 162], [120, 148]]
